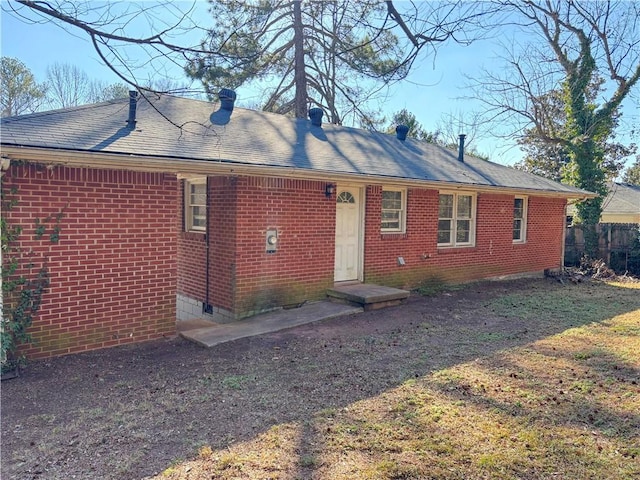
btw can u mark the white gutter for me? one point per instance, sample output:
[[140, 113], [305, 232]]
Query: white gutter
[[188, 167]]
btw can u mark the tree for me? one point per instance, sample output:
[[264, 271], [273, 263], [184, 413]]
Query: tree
[[405, 117], [575, 44], [452, 125], [551, 160], [632, 173], [333, 55], [101, 91], [69, 86], [336, 55], [20, 93]]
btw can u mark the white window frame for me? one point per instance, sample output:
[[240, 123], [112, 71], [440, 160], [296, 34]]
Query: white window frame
[[189, 206], [453, 243], [523, 227], [402, 212]]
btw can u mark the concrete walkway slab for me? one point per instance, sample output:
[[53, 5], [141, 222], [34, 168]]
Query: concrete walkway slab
[[269, 322]]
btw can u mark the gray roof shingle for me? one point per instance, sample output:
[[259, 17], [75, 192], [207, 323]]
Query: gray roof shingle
[[199, 130], [622, 198]]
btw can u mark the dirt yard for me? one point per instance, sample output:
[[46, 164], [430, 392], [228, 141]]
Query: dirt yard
[[520, 379]]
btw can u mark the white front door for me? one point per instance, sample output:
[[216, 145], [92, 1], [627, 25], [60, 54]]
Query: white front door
[[348, 223]]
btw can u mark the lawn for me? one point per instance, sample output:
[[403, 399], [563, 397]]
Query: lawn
[[524, 379]]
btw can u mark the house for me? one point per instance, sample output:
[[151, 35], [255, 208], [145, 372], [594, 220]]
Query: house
[[617, 231], [171, 208], [621, 205]]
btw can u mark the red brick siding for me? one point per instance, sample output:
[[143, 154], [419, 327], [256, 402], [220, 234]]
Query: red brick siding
[[244, 279], [302, 268], [113, 271], [222, 243], [494, 253], [192, 248], [192, 255]]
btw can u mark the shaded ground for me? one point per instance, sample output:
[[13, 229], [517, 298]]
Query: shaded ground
[[332, 399]]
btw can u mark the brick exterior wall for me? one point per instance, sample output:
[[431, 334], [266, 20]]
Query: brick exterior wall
[[123, 254], [192, 250], [493, 255], [302, 268], [243, 278], [113, 270]]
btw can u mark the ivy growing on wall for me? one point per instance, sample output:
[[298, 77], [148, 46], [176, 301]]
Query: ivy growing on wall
[[24, 280]]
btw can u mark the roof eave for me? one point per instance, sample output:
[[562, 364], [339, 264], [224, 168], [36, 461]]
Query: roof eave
[[189, 167]]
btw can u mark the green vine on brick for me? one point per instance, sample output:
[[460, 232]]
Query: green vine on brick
[[23, 283], [41, 227]]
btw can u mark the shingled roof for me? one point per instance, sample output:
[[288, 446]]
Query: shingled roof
[[186, 130]]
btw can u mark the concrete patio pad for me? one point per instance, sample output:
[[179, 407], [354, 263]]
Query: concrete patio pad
[[217, 333]]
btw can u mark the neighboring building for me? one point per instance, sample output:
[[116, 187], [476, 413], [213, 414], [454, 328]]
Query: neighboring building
[[177, 208], [621, 205], [617, 230]]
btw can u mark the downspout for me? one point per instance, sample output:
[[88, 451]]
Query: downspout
[[207, 308], [564, 237], [6, 163]]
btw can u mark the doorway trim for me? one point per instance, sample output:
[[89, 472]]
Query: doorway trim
[[361, 191]]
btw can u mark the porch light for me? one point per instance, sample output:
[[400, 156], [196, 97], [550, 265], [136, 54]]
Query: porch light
[[329, 189]]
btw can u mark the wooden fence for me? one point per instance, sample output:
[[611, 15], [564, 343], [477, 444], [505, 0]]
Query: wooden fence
[[615, 244]]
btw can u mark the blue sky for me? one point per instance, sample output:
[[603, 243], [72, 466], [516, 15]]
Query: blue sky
[[432, 91]]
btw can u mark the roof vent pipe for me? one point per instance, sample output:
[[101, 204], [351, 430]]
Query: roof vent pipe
[[133, 103], [461, 148], [227, 99], [315, 114], [401, 132]]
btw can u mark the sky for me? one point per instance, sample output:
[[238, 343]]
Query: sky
[[433, 91]]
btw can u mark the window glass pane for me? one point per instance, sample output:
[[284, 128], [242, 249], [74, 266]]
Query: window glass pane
[[198, 188], [198, 193], [464, 206], [392, 200], [518, 208], [392, 210], [199, 216], [462, 231], [444, 231], [196, 205], [198, 199], [391, 220], [445, 209], [345, 197], [517, 229]]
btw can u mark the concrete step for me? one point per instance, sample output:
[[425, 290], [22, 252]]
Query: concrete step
[[367, 295]]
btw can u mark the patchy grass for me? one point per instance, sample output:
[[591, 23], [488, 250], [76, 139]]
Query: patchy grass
[[531, 380], [564, 406]]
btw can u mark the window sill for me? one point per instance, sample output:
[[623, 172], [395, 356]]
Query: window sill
[[393, 235], [448, 250], [519, 243]]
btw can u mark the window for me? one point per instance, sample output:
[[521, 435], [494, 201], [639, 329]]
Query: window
[[456, 220], [195, 204], [519, 219], [345, 197], [393, 210]]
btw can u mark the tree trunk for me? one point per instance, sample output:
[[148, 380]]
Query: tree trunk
[[299, 75]]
